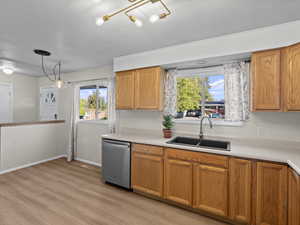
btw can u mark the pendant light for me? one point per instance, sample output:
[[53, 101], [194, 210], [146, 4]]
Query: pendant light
[[55, 76]]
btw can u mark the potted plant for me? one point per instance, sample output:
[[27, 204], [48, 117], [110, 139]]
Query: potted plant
[[168, 125]]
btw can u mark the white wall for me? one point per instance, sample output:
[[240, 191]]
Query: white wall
[[88, 141], [271, 125], [238, 43], [28, 144], [25, 93], [268, 125]]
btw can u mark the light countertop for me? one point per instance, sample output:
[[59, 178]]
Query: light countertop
[[261, 149]]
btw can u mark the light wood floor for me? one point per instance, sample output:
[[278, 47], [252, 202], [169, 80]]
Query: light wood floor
[[61, 193]]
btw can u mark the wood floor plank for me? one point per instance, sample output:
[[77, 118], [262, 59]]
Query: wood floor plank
[[62, 193]]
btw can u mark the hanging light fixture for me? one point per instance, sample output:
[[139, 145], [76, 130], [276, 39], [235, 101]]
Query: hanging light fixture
[[55, 76], [134, 5]]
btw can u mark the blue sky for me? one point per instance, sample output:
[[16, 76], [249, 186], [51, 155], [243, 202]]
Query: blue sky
[[217, 87]]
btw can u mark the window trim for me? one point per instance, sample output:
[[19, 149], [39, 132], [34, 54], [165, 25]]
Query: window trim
[[215, 122]]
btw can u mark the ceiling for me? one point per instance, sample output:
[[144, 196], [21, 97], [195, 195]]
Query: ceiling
[[67, 28]]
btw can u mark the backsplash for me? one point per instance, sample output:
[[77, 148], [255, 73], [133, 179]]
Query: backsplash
[[267, 125]]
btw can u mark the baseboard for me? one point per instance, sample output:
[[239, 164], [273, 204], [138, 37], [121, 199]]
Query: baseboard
[[89, 162], [32, 164]]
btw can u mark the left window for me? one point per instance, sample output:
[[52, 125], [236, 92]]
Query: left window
[[93, 103]]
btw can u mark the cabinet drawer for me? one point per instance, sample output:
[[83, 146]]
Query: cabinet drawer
[[148, 149], [199, 157]]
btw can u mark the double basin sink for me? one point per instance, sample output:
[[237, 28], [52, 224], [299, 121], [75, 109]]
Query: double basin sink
[[203, 143]]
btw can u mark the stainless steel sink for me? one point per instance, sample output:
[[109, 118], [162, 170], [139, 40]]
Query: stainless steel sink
[[205, 143]]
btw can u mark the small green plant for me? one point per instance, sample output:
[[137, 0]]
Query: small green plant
[[168, 122]]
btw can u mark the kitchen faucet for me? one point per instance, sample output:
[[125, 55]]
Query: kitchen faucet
[[201, 126]]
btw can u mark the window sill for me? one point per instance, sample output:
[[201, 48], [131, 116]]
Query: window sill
[[105, 122], [215, 122]]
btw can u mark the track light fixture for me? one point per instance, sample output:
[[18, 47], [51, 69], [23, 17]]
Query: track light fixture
[[136, 4]]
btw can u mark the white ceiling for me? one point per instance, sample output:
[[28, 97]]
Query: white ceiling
[[67, 28]]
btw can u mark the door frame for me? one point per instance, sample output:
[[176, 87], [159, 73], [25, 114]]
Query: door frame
[[11, 104]]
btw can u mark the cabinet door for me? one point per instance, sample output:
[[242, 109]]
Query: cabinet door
[[266, 81], [292, 83], [147, 173], [294, 198], [211, 189], [125, 90], [148, 88], [178, 181], [271, 197], [240, 173]]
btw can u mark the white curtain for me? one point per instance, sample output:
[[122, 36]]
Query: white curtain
[[73, 119], [170, 93], [111, 106], [109, 83], [236, 91]]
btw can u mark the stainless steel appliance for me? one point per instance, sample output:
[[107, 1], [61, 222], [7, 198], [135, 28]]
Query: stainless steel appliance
[[116, 162]]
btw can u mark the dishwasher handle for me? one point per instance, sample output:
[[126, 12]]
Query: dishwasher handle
[[116, 142]]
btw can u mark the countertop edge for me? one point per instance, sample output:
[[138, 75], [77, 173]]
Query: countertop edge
[[31, 123], [218, 152]]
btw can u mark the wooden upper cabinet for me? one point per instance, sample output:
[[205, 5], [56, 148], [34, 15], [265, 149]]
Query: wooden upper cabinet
[[266, 81], [211, 189], [125, 90], [140, 89], [149, 88], [294, 198], [271, 196], [178, 181], [240, 176], [292, 79], [147, 169]]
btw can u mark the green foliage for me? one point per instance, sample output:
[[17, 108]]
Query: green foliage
[[83, 104], [168, 122], [189, 91], [92, 102]]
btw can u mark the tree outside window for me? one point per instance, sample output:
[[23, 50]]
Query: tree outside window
[[200, 95], [93, 103]]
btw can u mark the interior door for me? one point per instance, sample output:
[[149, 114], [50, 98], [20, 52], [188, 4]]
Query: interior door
[[6, 103]]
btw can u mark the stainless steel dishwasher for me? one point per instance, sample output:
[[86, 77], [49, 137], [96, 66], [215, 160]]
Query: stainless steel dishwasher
[[116, 162]]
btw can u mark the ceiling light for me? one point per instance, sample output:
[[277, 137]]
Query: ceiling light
[[136, 21], [100, 20], [59, 83], [8, 71], [55, 74], [154, 18], [134, 5]]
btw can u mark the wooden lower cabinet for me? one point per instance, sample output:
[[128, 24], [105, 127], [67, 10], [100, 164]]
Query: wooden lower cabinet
[[294, 198], [211, 189], [240, 190], [178, 181], [271, 196], [147, 173]]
